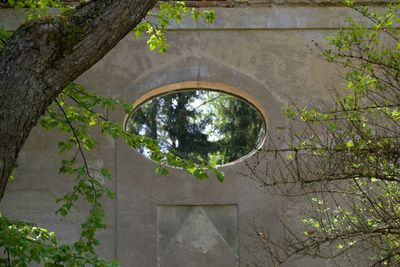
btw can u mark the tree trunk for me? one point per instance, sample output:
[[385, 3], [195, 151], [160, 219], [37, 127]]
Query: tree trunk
[[45, 55]]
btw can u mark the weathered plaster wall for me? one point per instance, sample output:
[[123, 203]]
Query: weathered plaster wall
[[266, 52]]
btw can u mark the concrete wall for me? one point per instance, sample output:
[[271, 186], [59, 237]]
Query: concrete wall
[[178, 220]]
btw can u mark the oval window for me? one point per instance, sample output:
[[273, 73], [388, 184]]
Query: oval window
[[206, 127]]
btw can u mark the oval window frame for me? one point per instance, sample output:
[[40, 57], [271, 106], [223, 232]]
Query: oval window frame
[[206, 86]]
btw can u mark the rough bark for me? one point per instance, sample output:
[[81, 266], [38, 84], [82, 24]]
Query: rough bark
[[43, 56]]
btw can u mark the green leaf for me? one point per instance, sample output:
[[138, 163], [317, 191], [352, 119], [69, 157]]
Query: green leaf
[[349, 144], [106, 173], [220, 176]]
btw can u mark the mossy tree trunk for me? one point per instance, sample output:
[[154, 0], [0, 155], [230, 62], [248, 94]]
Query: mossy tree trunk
[[43, 56]]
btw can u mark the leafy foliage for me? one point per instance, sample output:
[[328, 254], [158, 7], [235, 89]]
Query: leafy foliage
[[4, 36], [345, 159], [25, 243], [169, 12], [78, 114], [37, 8]]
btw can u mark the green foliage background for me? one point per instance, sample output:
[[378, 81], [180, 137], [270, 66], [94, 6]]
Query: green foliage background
[[204, 126]]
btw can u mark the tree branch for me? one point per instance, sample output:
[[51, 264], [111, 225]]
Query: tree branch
[[44, 55]]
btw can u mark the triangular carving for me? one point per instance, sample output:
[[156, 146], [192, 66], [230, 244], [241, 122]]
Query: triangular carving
[[172, 219], [197, 243]]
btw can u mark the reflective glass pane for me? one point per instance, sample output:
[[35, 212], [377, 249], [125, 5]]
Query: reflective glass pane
[[199, 125]]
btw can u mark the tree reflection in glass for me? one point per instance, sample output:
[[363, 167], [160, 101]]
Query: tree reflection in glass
[[199, 125]]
